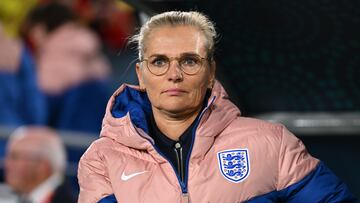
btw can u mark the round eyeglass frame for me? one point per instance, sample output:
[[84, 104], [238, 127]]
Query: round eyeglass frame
[[168, 66]]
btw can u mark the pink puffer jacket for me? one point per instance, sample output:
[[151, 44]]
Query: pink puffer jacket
[[233, 159]]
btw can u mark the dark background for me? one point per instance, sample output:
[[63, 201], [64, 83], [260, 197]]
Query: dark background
[[298, 56], [285, 55]]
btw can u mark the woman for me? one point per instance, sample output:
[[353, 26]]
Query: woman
[[177, 138]]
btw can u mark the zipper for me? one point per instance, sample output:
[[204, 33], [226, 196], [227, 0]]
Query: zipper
[[182, 186], [179, 158], [183, 183], [191, 146], [185, 198]]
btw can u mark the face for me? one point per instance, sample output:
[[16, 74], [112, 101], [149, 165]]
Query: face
[[23, 168], [176, 92]]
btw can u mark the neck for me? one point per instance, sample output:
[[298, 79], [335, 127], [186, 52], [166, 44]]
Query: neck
[[174, 125]]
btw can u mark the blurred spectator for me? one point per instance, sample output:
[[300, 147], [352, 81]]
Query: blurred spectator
[[35, 164], [67, 53], [21, 102], [71, 71]]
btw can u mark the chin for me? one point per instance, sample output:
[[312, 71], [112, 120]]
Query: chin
[[174, 109], [178, 109]]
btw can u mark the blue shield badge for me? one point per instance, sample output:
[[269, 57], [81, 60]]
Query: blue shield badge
[[234, 164]]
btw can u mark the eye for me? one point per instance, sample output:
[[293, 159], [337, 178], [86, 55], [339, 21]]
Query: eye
[[159, 62], [190, 61]]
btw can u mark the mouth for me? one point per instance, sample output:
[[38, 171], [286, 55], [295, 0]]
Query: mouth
[[174, 91]]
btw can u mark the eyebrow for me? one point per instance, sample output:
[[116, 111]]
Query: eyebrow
[[181, 55]]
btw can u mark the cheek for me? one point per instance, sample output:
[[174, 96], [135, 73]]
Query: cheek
[[153, 87], [146, 79], [200, 90], [14, 173], [19, 169], [201, 84], [12, 166]]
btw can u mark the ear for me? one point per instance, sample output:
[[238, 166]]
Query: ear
[[212, 74], [140, 76]]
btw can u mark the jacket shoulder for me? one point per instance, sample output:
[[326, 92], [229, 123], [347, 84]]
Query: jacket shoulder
[[257, 122], [254, 126], [110, 151], [101, 144], [101, 150]]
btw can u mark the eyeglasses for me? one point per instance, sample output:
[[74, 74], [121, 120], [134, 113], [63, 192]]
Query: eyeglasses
[[160, 64]]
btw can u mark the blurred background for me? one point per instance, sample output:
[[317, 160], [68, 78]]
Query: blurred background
[[294, 62]]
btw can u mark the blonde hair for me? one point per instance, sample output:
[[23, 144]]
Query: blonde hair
[[177, 18]]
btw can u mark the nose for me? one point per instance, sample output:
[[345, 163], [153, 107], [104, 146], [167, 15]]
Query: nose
[[174, 73]]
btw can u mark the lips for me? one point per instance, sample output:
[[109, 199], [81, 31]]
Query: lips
[[174, 91]]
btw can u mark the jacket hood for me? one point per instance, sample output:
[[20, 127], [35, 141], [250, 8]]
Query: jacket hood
[[127, 111]]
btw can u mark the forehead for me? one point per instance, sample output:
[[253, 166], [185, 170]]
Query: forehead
[[20, 145], [175, 40]]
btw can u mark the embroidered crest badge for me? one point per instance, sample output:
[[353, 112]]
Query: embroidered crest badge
[[234, 164]]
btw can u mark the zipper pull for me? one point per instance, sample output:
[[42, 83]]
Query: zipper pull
[[177, 145], [185, 198], [179, 156]]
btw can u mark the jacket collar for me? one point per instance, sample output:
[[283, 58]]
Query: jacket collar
[[125, 119]]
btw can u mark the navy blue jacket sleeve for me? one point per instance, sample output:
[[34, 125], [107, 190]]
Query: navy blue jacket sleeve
[[108, 199], [321, 185]]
